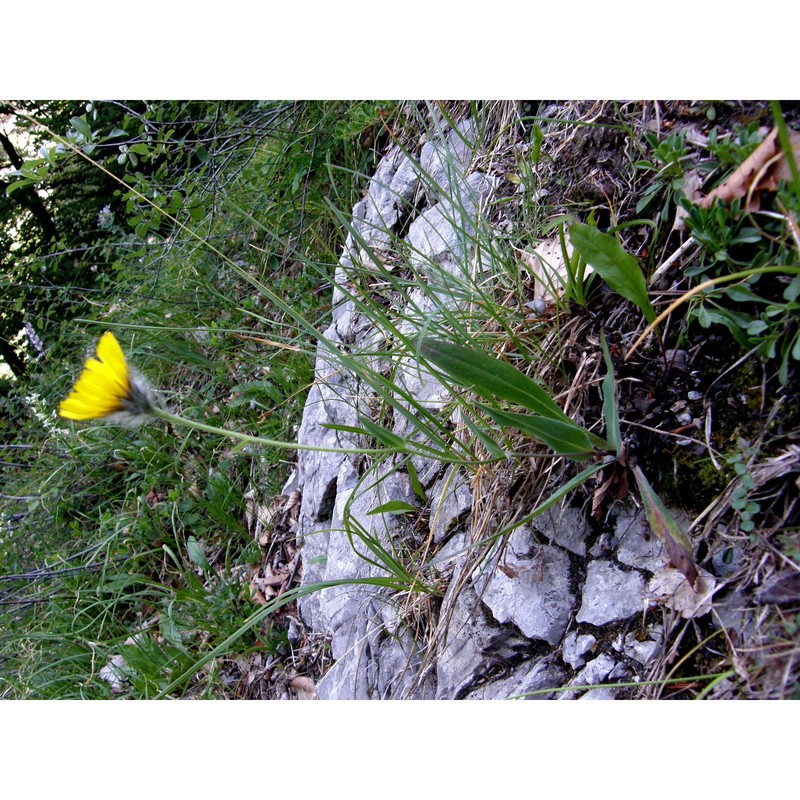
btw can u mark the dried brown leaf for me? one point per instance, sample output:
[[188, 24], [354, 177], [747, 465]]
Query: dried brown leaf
[[669, 587], [256, 596], [760, 172], [275, 579], [615, 485], [304, 687]]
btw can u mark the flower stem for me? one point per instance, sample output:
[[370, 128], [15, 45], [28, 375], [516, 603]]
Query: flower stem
[[244, 437]]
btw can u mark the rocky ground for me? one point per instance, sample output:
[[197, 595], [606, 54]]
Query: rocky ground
[[579, 602]]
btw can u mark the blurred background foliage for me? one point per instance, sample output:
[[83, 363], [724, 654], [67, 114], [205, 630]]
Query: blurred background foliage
[[106, 530]]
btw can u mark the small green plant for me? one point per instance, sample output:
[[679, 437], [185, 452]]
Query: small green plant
[[728, 150], [667, 168], [768, 329], [761, 309], [760, 312], [618, 268], [721, 230], [578, 282], [740, 501]]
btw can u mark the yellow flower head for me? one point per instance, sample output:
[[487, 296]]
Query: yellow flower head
[[108, 387]]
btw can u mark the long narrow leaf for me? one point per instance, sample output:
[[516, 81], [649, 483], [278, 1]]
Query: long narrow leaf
[[618, 268], [610, 407], [494, 449], [664, 526], [565, 438], [394, 507], [490, 377]]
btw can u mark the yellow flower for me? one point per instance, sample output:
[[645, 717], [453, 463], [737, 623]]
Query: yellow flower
[[108, 387]]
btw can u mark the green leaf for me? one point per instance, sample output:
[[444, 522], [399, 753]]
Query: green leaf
[[664, 526], [565, 438], [82, 127], [196, 554], [494, 449], [537, 139], [35, 168], [415, 482], [618, 268], [20, 184], [380, 434], [196, 212], [610, 409], [394, 507], [792, 291], [490, 377]]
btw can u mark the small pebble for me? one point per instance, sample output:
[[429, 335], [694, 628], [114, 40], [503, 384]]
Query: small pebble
[[685, 418], [678, 359], [538, 306], [694, 396]]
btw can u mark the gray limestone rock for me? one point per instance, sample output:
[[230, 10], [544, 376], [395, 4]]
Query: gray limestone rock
[[373, 659], [565, 527], [530, 587], [473, 643], [337, 550], [596, 671], [390, 192], [636, 545], [643, 651], [610, 594], [445, 160], [575, 648], [453, 554], [536, 676], [451, 501], [441, 237], [398, 659]]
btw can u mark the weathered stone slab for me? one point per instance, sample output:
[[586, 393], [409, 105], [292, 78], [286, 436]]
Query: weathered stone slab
[[530, 587], [472, 643], [610, 594]]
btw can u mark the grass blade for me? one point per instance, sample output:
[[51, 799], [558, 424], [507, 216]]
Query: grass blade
[[394, 507], [610, 407]]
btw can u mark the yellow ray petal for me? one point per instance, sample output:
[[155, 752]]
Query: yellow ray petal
[[103, 387]]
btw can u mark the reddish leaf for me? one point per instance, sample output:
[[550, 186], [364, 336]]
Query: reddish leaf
[[664, 526]]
